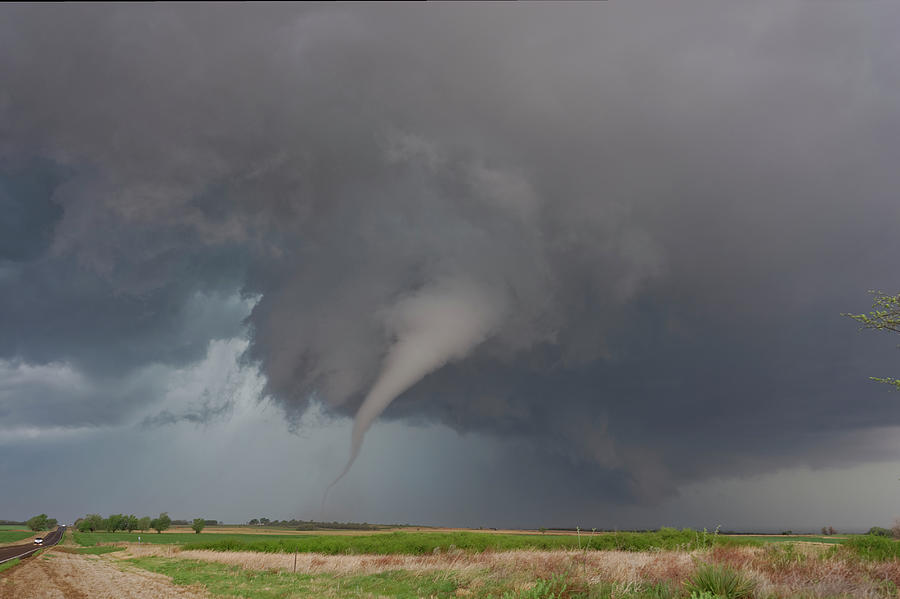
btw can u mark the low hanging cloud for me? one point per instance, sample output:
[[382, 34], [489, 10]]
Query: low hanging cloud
[[522, 221]]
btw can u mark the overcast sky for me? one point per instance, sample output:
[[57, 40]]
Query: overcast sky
[[537, 265]]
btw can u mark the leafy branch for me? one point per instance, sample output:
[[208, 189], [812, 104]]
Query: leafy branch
[[885, 316]]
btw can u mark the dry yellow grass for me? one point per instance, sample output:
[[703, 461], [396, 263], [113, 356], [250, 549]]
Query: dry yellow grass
[[805, 574], [620, 566]]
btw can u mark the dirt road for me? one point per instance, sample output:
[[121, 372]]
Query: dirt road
[[58, 575]]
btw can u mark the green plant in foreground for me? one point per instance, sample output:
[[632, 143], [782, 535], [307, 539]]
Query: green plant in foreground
[[720, 581]]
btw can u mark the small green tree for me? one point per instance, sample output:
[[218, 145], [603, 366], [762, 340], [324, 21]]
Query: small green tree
[[885, 316], [143, 523], [131, 523], [114, 522], [38, 522], [95, 520], [162, 523], [198, 525], [90, 523]]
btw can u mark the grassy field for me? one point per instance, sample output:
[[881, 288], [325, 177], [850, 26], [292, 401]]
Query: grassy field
[[665, 564], [89, 539], [233, 581], [12, 527], [766, 571], [418, 543], [11, 536]]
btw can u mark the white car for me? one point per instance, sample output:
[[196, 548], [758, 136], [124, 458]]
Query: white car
[[39, 541]]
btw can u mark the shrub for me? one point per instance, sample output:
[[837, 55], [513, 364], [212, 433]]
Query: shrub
[[879, 532], [719, 581]]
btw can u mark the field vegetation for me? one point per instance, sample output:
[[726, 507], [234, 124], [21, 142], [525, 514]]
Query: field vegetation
[[667, 563], [764, 571], [418, 543], [11, 536]]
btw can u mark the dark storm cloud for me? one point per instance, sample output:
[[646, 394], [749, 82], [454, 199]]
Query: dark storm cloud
[[621, 234]]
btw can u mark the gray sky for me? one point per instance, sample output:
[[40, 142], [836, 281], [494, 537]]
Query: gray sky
[[576, 264]]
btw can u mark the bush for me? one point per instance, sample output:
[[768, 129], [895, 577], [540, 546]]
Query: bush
[[879, 532], [719, 581], [41, 522], [38, 522]]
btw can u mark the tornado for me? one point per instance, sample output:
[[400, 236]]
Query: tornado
[[438, 325]]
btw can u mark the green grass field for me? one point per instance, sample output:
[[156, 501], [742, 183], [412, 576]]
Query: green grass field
[[11, 536], [89, 539], [12, 527], [418, 543]]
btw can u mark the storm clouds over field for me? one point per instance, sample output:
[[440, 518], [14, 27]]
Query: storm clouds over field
[[598, 252]]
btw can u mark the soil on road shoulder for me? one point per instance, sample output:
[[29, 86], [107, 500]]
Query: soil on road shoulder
[[56, 575]]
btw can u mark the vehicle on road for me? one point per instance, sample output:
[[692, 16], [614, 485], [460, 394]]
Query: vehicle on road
[[39, 541]]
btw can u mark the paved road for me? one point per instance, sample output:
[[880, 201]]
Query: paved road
[[14, 551]]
